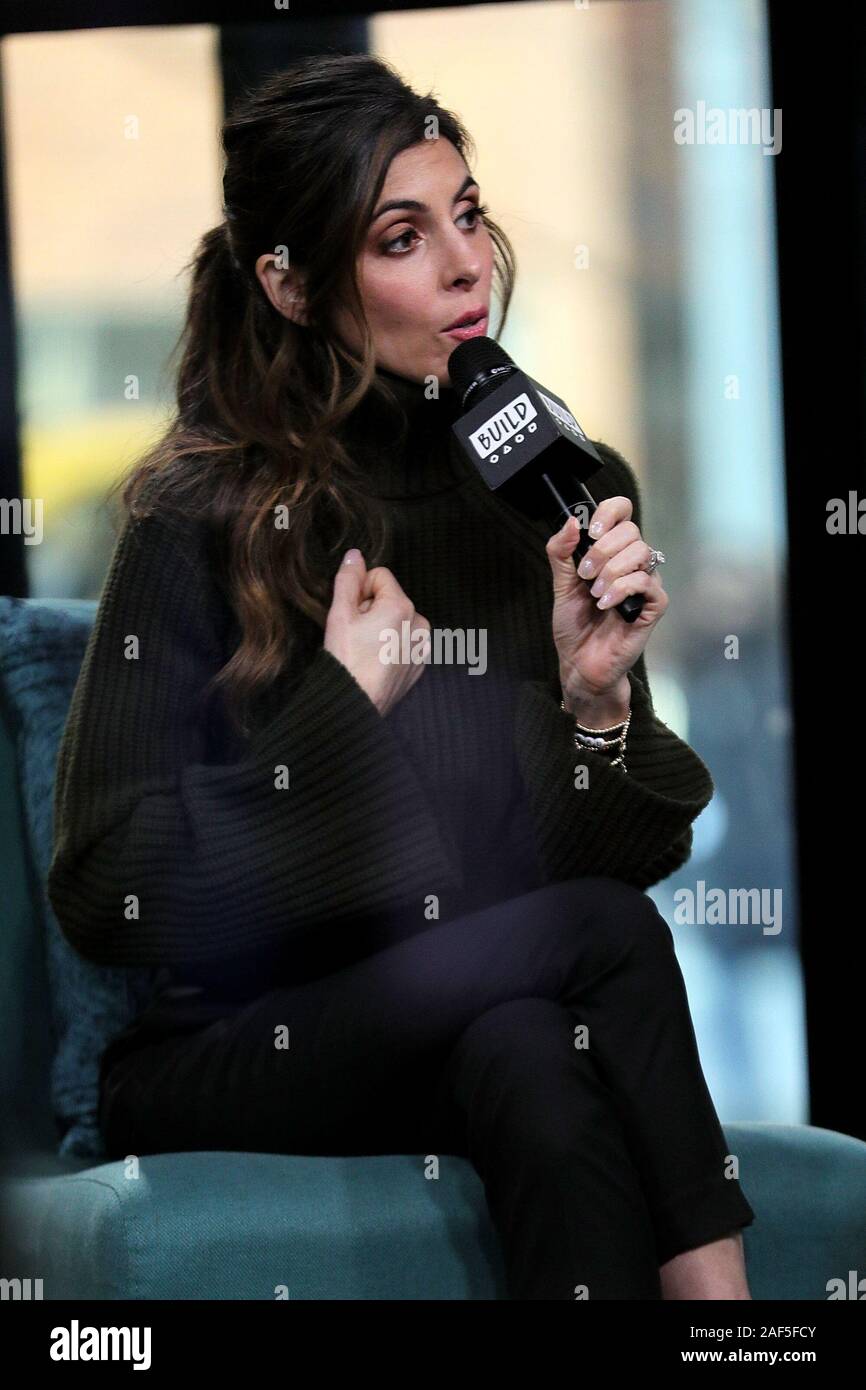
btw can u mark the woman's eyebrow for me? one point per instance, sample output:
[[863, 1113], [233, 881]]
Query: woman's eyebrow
[[394, 203]]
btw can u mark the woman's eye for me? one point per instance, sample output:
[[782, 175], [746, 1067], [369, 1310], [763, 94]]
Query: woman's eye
[[399, 244], [477, 212], [389, 245]]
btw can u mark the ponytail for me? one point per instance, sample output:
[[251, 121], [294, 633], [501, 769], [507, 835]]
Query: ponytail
[[222, 298]]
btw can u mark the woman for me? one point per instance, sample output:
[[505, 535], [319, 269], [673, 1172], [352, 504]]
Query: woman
[[395, 906]]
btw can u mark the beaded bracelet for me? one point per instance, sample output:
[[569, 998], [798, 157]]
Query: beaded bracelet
[[587, 738]]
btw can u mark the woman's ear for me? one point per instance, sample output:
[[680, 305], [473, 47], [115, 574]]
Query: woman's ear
[[283, 286]]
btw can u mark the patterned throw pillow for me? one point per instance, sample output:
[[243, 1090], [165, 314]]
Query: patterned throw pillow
[[42, 645]]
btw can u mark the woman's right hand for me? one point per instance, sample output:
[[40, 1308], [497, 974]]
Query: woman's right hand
[[364, 603]]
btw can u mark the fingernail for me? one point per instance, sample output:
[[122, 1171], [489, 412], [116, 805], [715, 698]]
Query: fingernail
[[596, 528], [586, 567], [604, 600], [352, 556]]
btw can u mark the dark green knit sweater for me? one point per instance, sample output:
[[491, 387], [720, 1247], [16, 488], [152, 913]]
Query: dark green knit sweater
[[175, 847]]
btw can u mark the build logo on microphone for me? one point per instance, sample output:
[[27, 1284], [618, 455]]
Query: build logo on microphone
[[507, 423]]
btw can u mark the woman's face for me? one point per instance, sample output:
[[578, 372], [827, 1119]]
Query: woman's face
[[423, 267]]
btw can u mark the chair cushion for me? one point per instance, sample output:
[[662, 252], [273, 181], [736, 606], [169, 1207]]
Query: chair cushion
[[227, 1225], [42, 644], [257, 1226]]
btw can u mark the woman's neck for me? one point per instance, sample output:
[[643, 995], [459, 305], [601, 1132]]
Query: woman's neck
[[418, 463]]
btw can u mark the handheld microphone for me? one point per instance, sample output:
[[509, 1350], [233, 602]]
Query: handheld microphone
[[525, 443]]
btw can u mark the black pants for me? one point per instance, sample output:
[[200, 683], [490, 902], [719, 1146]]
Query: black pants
[[547, 1039]]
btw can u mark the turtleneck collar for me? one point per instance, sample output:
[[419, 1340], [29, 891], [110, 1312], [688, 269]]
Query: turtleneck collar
[[419, 463]]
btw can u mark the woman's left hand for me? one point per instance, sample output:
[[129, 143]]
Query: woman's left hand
[[597, 647]]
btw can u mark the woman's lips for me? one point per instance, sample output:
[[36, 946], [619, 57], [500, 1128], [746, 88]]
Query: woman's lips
[[470, 330]]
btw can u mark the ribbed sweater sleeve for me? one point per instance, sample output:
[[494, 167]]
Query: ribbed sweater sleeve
[[634, 825], [162, 857]]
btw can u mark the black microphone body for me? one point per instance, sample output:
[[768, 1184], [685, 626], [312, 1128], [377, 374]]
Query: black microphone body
[[526, 444]]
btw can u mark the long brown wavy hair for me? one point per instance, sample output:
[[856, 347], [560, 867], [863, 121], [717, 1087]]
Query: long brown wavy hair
[[260, 399]]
